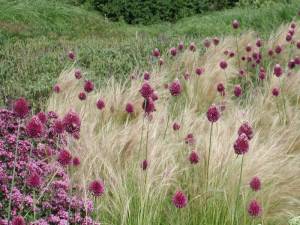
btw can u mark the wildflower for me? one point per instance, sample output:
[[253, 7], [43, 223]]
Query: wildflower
[[278, 70], [298, 44], [146, 90], [288, 37], [254, 208], [255, 184], [76, 161], [180, 46], [161, 61], [34, 180], [262, 74], [88, 86], [129, 108], [221, 89], [223, 64], [207, 43], [42, 117], [194, 157], [56, 88], [148, 105], [21, 107], [100, 104], [154, 96], [82, 96], [275, 91], [237, 90], [258, 43], [146, 75], [291, 64], [270, 52], [213, 114], [72, 122], [192, 47], [242, 73], [173, 51], [58, 126], [176, 126], [156, 52], [96, 187], [34, 127], [144, 164], [241, 145], [64, 158], [216, 41], [189, 139], [71, 55], [18, 220], [248, 48], [278, 49], [78, 74], [235, 24], [179, 199], [246, 129], [297, 60], [175, 88], [231, 54], [199, 71]]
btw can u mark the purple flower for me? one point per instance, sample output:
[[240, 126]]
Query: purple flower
[[176, 126], [129, 108], [216, 41], [235, 24], [173, 51], [275, 91], [82, 96], [237, 90], [254, 208], [146, 90], [18, 220], [78, 74], [194, 157], [34, 128], [179, 199], [192, 47], [100, 104], [71, 55], [213, 114], [148, 105], [21, 107], [146, 75], [64, 158], [241, 145], [72, 122], [199, 71], [156, 53], [56, 88], [246, 129], [144, 164], [223, 64], [175, 88], [96, 187], [277, 70], [88, 86], [255, 184], [34, 180], [180, 46]]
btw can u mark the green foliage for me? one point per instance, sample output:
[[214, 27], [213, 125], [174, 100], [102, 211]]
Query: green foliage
[[259, 3]]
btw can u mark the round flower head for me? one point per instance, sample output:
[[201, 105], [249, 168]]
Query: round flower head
[[278, 49], [64, 158], [288, 37], [148, 105], [160, 61], [180, 46], [293, 25], [21, 108], [175, 88], [254, 208], [156, 52], [223, 64], [206, 43], [144, 164], [213, 114], [255, 184], [146, 75], [56, 88], [72, 122], [221, 89], [129, 108], [76, 161], [231, 54], [275, 91], [216, 41], [258, 43], [176, 126], [277, 70], [291, 64], [78, 74], [18, 220], [189, 139], [179, 200], [235, 24], [82, 96], [100, 104], [248, 48], [58, 126], [173, 51], [262, 74], [154, 96], [71, 55], [246, 129], [34, 180], [241, 145], [97, 188], [42, 117], [34, 128], [187, 76], [88, 86], [237, 90], [192, 47], [199, 71], [194, 157], [146, 90]]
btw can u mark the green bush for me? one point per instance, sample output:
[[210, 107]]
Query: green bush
[[152, 11]]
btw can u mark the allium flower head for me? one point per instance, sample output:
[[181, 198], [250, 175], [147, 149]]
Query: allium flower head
[[262, 74], [176, 126], [56, 88], [288, 37], [72, 122], [34, 128], [18, 220], [144, 164], [154, 96], [100, 104], [221, 89], [34, 180], [88, 86], [235, 24], [297, 60], [199, 71], [213, 114], [189, 139], [173, 51], [156, 52], [255, 184], [146, 75], [223, 64], [270, 52], [275, 91], [248, 48], [71, 55], [76, 161], [194, 157], [179, 199], [180, 46], [58, 126], [64, 158], [258, 43], [146, 90], [298, 44], [78, 74], [246, 129], [192, 47], [237, 90], [241, 145], [216, 41], [97, 188], [129, 108], [148, 105], [291, 64], [206, 43], [277, 70], [175, 88], [82, 96], [254, 208], [161, 61], [42, 117], [278, 49], [21, 107]]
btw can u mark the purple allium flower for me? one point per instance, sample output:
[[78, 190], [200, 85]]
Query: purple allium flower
[[180, 46], [288, 37], [146, 75], [21, 107], [221, 89], [72, 122], [156, 52], [82, 96], [275, 91], [291, 64], [223, 65], [56, 88], [146, 90], [129, 108], [248, 48], [175, 88], [34, 180], [144, 164], [100, 104], [297, 60], [18, 220], [262, 74], [34, 128], [76, 161], [241, 145], [194, 157], [173, 51], [58, 126], [237, 90], [293, 25], [97, 188], [242, 73], [199, 71], [206, 43], [216, 41], [71, 55], [78, 74], [255, 184], [278, 49], [270, 52], [42, 117], [192, 47], [148, 105], [231, 54], [213, 114], [246, 129], [176, 126], [277, 70], [161, 61], [258, 43], [235, 24], [254, 208], [88, 86], [179, 199], [189, 139], [64, 158]]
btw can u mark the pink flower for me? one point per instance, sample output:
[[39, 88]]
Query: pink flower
[[176, 126], [179, 199], [237, 90], [262, 74], [42, 117], [78, 74], [144, 164], [254, 208], [288, 37], [255, 184], [82, 96], [88, 86], [199, 71], [278, 49], [21, 107], [175, 88], [173, 51], [206, 43], [129, 108], [275, 91], [34, 180], [270, 52], [213, 114], [189, 139], [248, 48], [146, 75], [146, 90], [58, 126], [192, 47], [291, 64], [258, 43], [241, 145], [180, 46], [297, 60], [223, 64], [71, 55], [100, 104], [34, 128], [277, 70], [97, 188], [148, 105], [235, 24], [194, 157], [18, 220], [156, 52], [56, 88], [72, 122], [64, 158], [216, 41], [221, 89], [246, 129], [76, 161]]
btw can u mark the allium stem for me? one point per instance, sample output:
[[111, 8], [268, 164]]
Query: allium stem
[[283, 101], [238, 190], [208, 158], [237, 51], [14, 171], [147, 137], [141, 139]]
